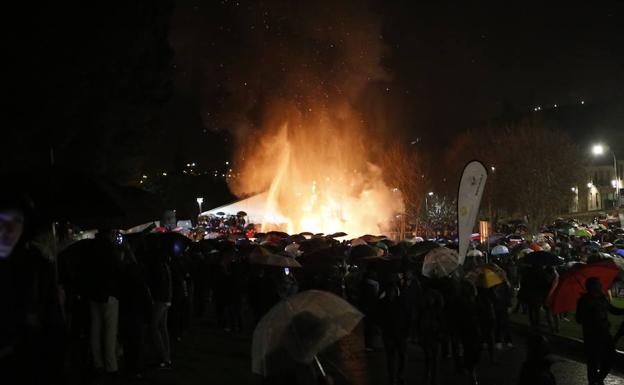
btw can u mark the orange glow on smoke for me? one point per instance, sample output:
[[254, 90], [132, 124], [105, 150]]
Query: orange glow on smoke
[[316, 170]]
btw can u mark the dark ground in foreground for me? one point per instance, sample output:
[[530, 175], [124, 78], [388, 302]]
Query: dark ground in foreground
[[207, 355]]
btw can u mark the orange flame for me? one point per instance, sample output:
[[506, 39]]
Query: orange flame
[[318, 180]]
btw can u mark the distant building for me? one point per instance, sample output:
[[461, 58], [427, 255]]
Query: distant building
[[598, 191]]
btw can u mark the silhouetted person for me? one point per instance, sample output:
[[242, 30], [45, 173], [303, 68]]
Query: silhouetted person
[[135, 307], [103, 293], [32, 332], [159, 280], [369, 299], [536, 368], [502, 302], [468, 328], [394, 323], [592, 313], [429, 330], [487, 319]]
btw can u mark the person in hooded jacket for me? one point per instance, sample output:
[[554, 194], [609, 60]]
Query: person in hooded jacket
[[32, 328]]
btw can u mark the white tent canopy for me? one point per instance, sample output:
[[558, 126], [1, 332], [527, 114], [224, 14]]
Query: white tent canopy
[[254, 206]]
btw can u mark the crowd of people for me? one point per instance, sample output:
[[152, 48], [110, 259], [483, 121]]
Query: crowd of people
[[93, 310]]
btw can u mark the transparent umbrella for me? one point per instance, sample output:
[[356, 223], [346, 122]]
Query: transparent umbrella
[[301, 326], [440, 262]]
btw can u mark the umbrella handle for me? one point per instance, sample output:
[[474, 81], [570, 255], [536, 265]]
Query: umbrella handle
[[318, 363]]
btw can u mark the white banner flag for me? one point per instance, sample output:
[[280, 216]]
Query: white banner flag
[[471, 188]]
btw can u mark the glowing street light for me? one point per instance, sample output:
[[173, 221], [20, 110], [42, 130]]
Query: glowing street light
[[598, 150], [200, 200]]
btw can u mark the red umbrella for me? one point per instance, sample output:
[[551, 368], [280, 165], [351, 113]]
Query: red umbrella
[[571, 284]]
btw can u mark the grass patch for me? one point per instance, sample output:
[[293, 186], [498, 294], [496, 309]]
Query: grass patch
[[571, 328]]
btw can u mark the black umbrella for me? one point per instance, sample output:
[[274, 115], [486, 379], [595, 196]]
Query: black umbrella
[[313, 244], [362, 251], [296, 238], [87, 201], [421, 248], [279, 234], [325, 257], [241, 214], [171, 243], [543, 258]]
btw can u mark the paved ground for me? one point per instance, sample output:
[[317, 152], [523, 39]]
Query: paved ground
[[211, 356]]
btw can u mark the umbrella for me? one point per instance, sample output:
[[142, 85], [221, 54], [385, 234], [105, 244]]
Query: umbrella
[[292, 250], [362, 251], [619, 262], [338, 235], [440, 262], [494, 238], [169, 242], [241, 214], [474, 253], [299, 328], [296, 238], [517, 249], [262, 256], [323, 257], [421, 248], [313, 244], [500, 250], [606, 245], [372, 238], [88, 202], [543, 258], [277, 234], [486, 276], [580, 232], [571, 284], [524, 252], [535, 247], [220, 213]]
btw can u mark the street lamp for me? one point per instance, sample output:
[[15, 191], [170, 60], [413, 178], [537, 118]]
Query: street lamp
[[200, 200], [598, 150], [429, 194]]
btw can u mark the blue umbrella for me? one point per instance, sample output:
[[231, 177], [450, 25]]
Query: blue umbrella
[[500, 250]]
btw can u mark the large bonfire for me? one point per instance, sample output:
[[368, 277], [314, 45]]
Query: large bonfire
[[301, 135], [316, 170]]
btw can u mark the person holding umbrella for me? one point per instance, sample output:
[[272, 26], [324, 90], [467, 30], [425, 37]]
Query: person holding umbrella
[[592, 313]]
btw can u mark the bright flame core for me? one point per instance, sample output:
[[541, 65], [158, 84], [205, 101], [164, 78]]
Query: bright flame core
[[319, 180]]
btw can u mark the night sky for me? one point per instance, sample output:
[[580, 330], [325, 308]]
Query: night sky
[[162, 83], [449, 67]]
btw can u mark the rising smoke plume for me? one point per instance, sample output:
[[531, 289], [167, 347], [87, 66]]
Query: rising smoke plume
[[291, 103]]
